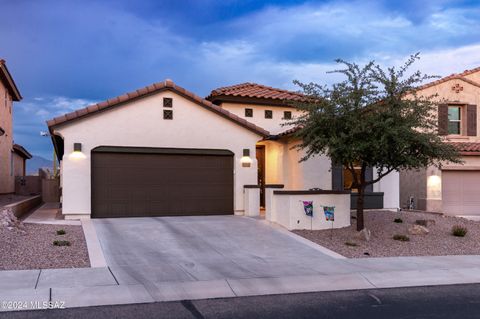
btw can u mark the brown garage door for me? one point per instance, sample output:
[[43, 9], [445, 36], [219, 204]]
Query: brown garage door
[[136, 182], [461, 192]]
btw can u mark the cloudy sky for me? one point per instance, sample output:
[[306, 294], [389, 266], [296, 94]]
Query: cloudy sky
[[66, 54]]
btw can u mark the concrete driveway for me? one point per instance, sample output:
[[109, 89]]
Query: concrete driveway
[[166, 249]]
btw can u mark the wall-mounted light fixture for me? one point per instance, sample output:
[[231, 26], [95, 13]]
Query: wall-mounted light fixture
[[2, 131], [77, 151], [246, 160], [434, 187]]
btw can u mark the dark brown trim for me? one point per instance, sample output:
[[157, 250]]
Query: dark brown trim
[[442, 119], [469, 153], [274, 186], [251, 186], [304, 192], [471, 120], [161, 150], [219, 99]]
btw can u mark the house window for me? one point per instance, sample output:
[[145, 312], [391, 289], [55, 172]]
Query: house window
[[167, 114], [248, 112], [287, 115], [454, 120], [167, 102], [268, 114]]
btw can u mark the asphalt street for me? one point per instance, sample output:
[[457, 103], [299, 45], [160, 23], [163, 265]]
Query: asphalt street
[[457, 301]]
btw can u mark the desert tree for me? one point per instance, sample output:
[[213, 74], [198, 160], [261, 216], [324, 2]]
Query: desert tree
[[372, 118]]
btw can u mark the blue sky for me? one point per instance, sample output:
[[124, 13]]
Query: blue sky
[[67, 54]]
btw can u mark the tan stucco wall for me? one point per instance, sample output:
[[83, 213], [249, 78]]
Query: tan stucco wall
[[7, 181], [273, 125], [426, 184], [469, 95], [140, 123], [18, 165], [413, 183]]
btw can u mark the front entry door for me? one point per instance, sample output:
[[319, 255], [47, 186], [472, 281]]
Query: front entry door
[[260, 151]]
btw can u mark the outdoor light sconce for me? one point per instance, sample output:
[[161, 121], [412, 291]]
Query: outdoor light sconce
[[77, 151], [77, 147], [2, 131], [246, 160]]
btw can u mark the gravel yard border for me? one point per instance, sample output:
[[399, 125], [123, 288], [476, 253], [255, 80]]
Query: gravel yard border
[[438, 242], [34, 249]]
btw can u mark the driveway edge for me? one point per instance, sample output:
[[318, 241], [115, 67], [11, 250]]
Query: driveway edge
[[95, 253]]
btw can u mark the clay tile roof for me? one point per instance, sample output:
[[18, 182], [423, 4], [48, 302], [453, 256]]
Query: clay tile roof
[[454, 76], [20, 150], [153, 88], [467, 148], [254, 90], [7, 80]]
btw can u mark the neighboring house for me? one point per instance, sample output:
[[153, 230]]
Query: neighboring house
[[453, 189], [162, 150], [12, 157], [20, 157]]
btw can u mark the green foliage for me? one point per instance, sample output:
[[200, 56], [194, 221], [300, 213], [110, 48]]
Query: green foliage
[[61, 243], [61, 232], [398, 220], [374, 118], [400, 237], [459, 231]]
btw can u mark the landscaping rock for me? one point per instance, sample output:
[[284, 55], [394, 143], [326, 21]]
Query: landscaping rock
[[10, 221], [425, 222], [418, 230], [364, 234]]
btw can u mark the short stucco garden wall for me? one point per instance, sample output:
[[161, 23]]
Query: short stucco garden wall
[[21, 208], [285, 207]]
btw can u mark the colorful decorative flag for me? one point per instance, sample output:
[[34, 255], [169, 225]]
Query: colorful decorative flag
[[329, 212], [308, 207]]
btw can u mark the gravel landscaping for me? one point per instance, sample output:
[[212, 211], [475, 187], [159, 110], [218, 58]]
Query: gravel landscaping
[[438, 242], [31, 246]]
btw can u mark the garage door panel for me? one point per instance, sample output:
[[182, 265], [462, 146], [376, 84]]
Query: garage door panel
[[461, 192], [126, 184]]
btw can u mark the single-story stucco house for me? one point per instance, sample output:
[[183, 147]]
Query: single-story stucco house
[[454, 189], [162, 150]]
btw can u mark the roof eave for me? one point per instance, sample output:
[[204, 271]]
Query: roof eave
[[9, 82], [152, 89]]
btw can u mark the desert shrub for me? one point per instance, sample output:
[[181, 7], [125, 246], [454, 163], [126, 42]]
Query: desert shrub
[[61, 232], [351, 244], [401, 237], [398, 220], [61, 243], [459, 231]]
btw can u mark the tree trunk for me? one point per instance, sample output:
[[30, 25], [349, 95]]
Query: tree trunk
[[360, 200]]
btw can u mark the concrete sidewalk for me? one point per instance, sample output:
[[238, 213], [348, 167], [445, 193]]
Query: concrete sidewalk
[[48, 213], [98, 286], [150, 282]]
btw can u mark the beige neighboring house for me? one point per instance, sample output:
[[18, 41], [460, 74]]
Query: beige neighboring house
[[12, 157], [162, 150], [455, 188]]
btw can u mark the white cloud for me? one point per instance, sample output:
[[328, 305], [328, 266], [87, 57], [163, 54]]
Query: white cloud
[[47, 107]]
